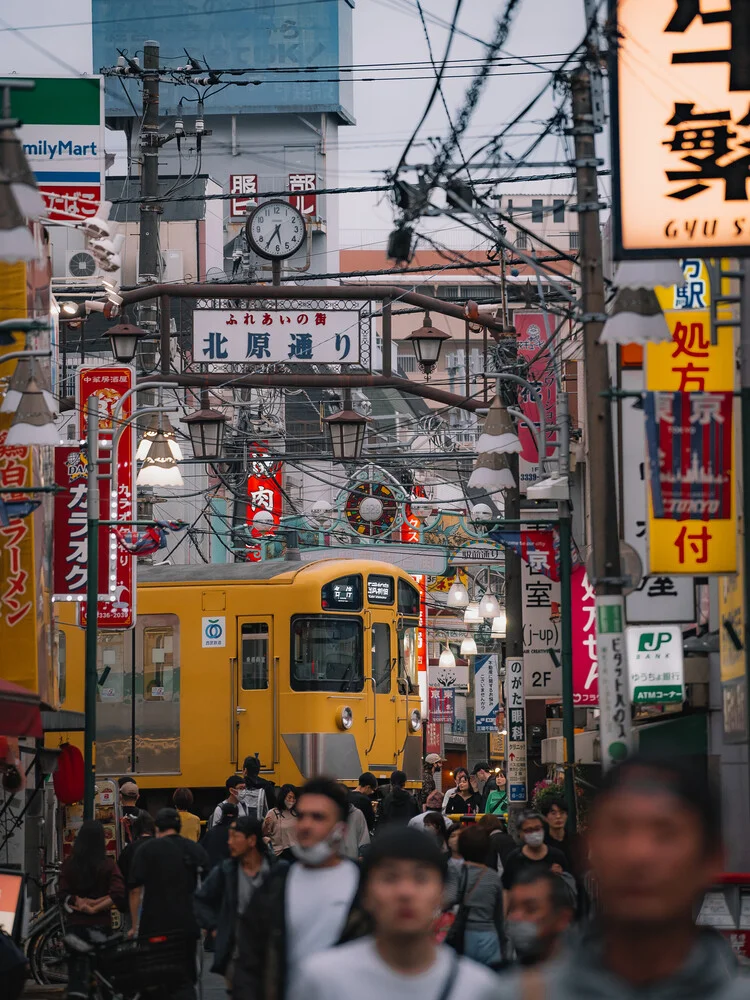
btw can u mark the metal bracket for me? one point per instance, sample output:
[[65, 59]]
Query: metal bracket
[[594, 318], [589, 206], [587, 161]]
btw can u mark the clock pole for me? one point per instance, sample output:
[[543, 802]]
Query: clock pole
[[275, 271]]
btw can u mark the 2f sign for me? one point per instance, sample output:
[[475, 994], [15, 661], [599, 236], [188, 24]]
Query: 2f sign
[[213, 632]]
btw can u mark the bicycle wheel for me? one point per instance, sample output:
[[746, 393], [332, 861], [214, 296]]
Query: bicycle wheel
[[48, 957]]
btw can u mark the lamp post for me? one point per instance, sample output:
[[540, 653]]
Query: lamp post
[[347, 431], [125, 338], [427, 342], [206, 428]]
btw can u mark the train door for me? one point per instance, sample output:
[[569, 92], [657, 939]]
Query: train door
[[256, 700], [381, 697]]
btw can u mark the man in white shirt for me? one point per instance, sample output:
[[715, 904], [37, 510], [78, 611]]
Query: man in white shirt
[[302, 908], [402, 890]]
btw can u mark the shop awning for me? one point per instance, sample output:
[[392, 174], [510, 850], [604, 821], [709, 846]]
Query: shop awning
[[19, 711]]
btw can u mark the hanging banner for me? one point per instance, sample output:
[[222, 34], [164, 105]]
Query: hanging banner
[[657, 599], [71, 527], [680, 126], [486, 693], [516, 723], [531, 338], [614, 702], [442, 705], [541, 633], [265, 496], [109, 383], [655, 664], [583, 627]]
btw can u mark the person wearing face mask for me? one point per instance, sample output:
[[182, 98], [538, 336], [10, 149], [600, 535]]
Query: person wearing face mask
[[534, 854], [302, 908], [540, 910]]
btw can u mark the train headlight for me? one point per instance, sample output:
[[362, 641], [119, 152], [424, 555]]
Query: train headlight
[[344, 718], [415, 721]]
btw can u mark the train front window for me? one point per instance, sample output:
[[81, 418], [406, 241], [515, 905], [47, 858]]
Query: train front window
[[254, 656], [327, 654], [408, 599], [407, 656]]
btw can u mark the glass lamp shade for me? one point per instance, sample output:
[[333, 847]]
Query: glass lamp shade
[[347, 431], [447, 660], [125, 338], [171, 438], [458, 595], [500, 625], [427, 342], [33, 422], [489, 606], [159, 467], [206, 428], [147, 440], [469, 646], [471, 615]]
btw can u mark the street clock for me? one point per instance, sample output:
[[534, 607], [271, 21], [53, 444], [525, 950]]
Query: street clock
[[275, 230]]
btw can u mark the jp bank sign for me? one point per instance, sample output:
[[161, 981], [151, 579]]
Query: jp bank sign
[[652, 642], [655, 664]]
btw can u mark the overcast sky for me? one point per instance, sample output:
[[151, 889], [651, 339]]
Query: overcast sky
[[386, 111]]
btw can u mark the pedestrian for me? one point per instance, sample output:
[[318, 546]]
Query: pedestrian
[[496, 802], [216, 840], [234, 784], [280, 823], [142, 828], [541, 908], [534, 853], [128, 808], [432, 766], [258, 795], [182, 800], [485, 782], [302, 908], [435, 825], [402, 887], [357, 837], [502, 845], [449, 792], [362, 797], [478, 892], [463, 800], [433, 803], [227, 892], [163, 877], [655, 847], [555, 814], [399, 805], [90, 885]]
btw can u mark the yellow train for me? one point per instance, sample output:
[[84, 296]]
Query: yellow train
[[312, 666]]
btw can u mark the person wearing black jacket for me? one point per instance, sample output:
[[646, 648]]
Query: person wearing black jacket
[[302, 908], [399, 806], [216, 840], [361, 797]]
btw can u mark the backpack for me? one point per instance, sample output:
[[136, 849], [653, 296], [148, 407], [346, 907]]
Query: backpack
[[253, 803]]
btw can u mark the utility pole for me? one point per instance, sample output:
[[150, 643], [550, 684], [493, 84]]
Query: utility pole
[[92, 607], [614, 697], [149, 259]]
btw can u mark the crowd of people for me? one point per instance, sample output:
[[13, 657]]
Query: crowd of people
[[318, 891]]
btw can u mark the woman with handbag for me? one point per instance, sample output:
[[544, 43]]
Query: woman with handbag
[[477, 891]]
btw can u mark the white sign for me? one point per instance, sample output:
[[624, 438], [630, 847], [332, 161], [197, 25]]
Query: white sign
[[243, 188], [486, 693], [448, 677], [213, 632], [659, 598], [516, 724], [271, 336], [614, 699], [655, 664], [541, 632]]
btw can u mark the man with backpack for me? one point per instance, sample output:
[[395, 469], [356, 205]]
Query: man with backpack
[[258, 795], [399, 806]]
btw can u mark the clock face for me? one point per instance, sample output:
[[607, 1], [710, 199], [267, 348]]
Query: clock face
[[276, 230]]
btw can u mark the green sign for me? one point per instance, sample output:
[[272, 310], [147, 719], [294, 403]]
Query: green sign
[[655, 665]]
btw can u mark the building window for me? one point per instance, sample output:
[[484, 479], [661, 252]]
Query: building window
[[407, 363], [522, 241], [573, 241], [558, 210], [537, 210]]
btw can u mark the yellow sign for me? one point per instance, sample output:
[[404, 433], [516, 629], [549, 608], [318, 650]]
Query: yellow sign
[[497, 746], [681, 126]]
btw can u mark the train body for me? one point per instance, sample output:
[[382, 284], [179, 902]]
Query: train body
[[310, 665]]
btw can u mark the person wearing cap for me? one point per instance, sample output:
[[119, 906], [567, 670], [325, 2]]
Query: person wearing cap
[[128, 797], [163, 878], [433, 803], [433, 764], [655, 848], [402, 891]]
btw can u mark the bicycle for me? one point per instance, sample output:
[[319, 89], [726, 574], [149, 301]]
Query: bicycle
[[44, 946]]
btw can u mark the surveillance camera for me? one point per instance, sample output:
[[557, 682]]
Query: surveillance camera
[[555, 487]]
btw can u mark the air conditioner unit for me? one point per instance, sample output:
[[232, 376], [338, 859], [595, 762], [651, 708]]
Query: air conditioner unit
[[81, 267], [588, 749]]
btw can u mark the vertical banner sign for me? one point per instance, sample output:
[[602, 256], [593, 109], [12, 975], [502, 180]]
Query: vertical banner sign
[[732, 651], [116, 608], [69, 571], [531, 337], [655, 664], [264, 497], [303, 200], [614, 698], [541, 632], [583, 627], [243, 188], [442, 705], [433, 738], [682, 539], [658, 598], [680, 127], [516, 724], [486, 693]]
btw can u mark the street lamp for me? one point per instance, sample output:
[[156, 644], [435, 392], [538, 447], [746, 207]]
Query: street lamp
[[125, 338], [471, 615], [159, 467], [427, 342], [347, 431], [469, 646], [489, 606], [206, 428], [458, 595], [500, 625], [447, 660]]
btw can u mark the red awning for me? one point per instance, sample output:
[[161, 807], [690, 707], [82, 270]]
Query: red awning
[[19, 711]]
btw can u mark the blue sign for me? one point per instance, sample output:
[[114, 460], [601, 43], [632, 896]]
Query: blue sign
[[486, 693], [517, 793]]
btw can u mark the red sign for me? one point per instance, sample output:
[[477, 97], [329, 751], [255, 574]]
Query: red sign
[[16, 554], [531, 337], [303, 201], [70, 202], [264, 497], [442, 705], [583, 626], [245, 188], [69, 538], [432, 738], [109, 384]]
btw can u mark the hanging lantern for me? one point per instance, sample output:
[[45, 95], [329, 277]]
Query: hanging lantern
[[68, 779]]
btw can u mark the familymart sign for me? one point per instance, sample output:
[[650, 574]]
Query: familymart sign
[[655, 664], [62, 133]]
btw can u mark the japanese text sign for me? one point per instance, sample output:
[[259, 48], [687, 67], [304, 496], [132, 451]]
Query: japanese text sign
[[516, 724], [486, 693], [531, 337], [655, 664], [69, 541], [442, 705], [614, 697], [264, 495], [243, 188], [268, 337], [583, 628], [681, 125], [116, 607], [541, 628], [16, 541], [303, 198]]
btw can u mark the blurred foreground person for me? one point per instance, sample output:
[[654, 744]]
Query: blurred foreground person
[[302, 908], [541, 908], [654, 848], [478, 893], [402, 888]]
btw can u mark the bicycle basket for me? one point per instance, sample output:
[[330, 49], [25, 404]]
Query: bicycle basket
[[157, 960]]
